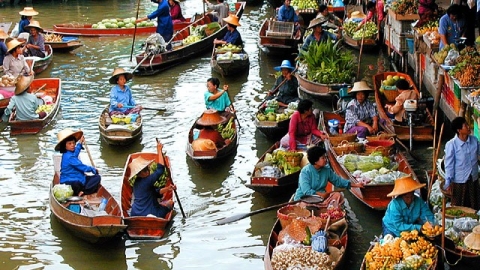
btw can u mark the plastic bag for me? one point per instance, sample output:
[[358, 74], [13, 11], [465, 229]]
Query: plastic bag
[[270, 171], [465, 224], [451, 59], [62, 192]]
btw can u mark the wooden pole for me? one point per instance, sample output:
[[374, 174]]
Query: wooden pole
[[135, 31]]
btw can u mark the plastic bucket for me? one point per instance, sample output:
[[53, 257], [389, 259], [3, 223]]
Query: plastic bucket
[[410, 45]]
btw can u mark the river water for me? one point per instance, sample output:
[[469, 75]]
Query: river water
[[31, 239]]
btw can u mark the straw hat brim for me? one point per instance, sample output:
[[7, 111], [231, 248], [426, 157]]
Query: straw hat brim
[[14, 43], [137, 165], [405, 185], [114, 78], [472, 241], [23, 82], [357, 15], [232, 20], [28, 27], [31, 12], [360, 87], [315, 22], [3, 35], [64, 134]]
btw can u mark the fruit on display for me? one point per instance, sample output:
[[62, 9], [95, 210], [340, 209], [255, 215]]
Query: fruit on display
[[431, 230], [44, 108], [430, 26], [228, 48], [191, 39], [8, 80], [333, 213], [52, 37], [304, 4], [403, 7], [287, 161], [466, 70], [227, 131], [369, 30], [442, 54], [121, 23]]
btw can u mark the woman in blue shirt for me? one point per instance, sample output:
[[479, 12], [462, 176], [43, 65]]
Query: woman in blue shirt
[[72, 171], [407, 211], [121, 99], [451, 26], [214, 98], [232, 36], [26, 16]]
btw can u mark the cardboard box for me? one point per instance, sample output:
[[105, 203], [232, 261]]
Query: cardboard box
[[406, 17]]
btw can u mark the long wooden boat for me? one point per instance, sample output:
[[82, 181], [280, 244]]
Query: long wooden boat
[[152, 64], [373, 195], [336, 247], [272, 129], [229, 67], [88, 224], [207, 158], [144, 227], [65, 46], [317, 89], [40, 64], [273, 185], [421, 132], [119, 134], [86, 29], [278, 42], [368, 43], [53, 88]]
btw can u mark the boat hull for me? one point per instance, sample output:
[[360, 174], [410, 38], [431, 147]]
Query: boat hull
[[65, 46], [40, 64], [277, 45], [230, 67], [120, 135], [317, 89], [368, 43]]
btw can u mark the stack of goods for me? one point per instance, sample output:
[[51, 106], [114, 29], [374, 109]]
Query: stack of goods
[[121, 23], [196, 34], [230, 52], [273, 113], [466, 69], [403, 7], [278, 164], [8, 81], [441, 55], [304, 5], [368, 31], [388, 88], [53, 37], [227, 131]]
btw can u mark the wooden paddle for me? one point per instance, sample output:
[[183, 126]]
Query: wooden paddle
[[233, 108], [361, 49], [147, 108], [274, 91], [88, 152], [135, 31], [160, 153], [41, 88]]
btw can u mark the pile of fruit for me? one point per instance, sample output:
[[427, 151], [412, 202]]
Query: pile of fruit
[[304, 4], [52, 37], [442, 54], [431, 230], [466, 70], [284, 160], [369, 30], [403, 7], [227, 131], [121, 23], [228, 48], [44, 108], [389, 82], [333, 213], [409, 251], [430, 26], [7, 81]]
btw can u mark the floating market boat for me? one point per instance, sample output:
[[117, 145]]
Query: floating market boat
[[145, 227], [80, 215], [279, 37], [121, 133], [368, 43], [150, 63], [40, 64], [51, 87], [230, 63], [373, 195], [66, 45], [273, 183], [273, 130], [317, 89], [422, 129]]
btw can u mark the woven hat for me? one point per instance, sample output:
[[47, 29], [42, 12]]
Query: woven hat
[[117, 72], [3, 35], [360, 86], [211, 117], [23, 82], [472, 241], [232, 19], [285, 64], [28, 11], [34, 24], [137, 165], [357, 15], [12, 44], [64, 134], [405, 185], [317, 21]]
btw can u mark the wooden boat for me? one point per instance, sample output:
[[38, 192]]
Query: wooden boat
[[272, 185], [206, 158], [119, 134], [65, 46], [374, 196], [421, 131], [275, 42], [79, 29], [368, 43], [152, 64], [144, 227], [229, 67], [40, 64], [53, 88], [88, 224], [272, 129], [317, 89]]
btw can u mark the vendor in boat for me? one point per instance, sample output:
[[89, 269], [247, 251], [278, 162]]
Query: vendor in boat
[[232, 36], [164, 21], [397, 111], [375, 14], [302, 128], [36, 42], [461, 165], [14, 62], [148, 199], [175, 11], [319, 34], [26, 16], [217, 99], [286, 13], [451, 26], [315, 176], [72, 170], [121, 99], [406, 211], [23, 103], [361, 116], [3, 47], [286, 85], [332, 20], [221, 8]]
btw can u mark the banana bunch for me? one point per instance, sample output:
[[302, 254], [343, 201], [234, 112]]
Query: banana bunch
[[227, 131], [53, 38], [44, 108]]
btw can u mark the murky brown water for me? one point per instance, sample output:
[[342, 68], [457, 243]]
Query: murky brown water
[[30, 239]]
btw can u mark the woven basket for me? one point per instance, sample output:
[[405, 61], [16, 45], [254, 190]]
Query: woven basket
[[383, 146], [336, 139], [290, 212], [348, 147], [381, 136], [296, 229], [294, 161], [390, 95]]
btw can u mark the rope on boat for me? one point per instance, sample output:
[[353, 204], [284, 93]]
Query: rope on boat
[[445, 256]]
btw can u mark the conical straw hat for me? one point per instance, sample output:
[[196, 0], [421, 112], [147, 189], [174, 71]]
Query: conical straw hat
[[404, 185], [28, 11], [117, 72], [472, 241], [12, 44], [3, 35], [64, 134], [23, 82], [232, 19], [34, 24], [137, 165], [211, 117], [360, 86]]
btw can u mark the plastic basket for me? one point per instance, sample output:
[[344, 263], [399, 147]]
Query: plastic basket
[[381, 136], [280, 29], [383, 146]]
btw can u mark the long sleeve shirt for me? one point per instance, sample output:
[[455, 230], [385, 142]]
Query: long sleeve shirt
[[312, 181], [461, 160], [219, 104], [25, 106], [176, 13], [22, 24], [357, 112], [146, 194], [222, 10], [399, 217], [300, 130], [323, 38], [233, 37], [39, 41], [164, 21], [288, 92], [119, 96], [287, 14], [72, 169], [15, 66]]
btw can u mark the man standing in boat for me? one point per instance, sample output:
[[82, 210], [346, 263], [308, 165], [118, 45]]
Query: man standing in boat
[[164, 21]]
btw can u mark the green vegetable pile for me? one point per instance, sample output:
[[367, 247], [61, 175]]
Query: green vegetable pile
[[162, 180], [369, 30], [61, 192], [371, 162], [327, 63]]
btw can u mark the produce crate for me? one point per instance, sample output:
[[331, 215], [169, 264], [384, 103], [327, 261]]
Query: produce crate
[[431, 69], [280, 29], [406, 17], [401, 26], [398, 41]]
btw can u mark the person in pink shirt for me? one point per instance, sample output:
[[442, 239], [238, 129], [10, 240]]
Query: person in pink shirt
[[375, 13], [175, 11]]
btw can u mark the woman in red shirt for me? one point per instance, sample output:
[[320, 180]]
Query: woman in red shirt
[[175, 11]]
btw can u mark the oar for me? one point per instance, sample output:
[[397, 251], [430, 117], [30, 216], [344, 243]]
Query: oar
[[361, 49], [274, 91], [174, 191], [147, 108], [233, 108], [88, 152], [143, 60], [41, 88], [135, 31]]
